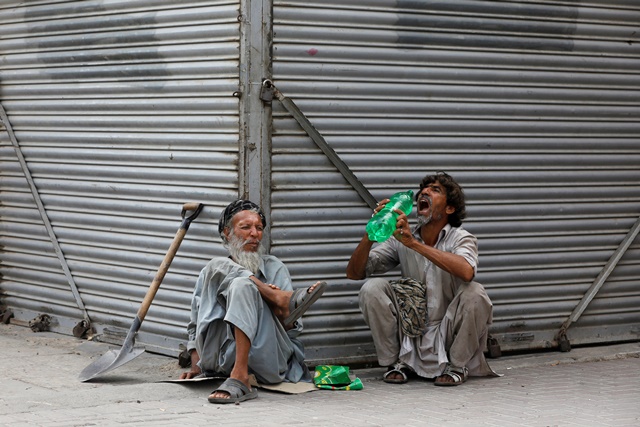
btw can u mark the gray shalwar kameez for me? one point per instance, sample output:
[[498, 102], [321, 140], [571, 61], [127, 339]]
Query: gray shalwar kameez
[[459, 313], [224, 297]]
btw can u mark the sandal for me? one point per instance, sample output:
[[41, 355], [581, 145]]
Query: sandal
[[238, 392], [397, 368], [458, 375], [301, 300]]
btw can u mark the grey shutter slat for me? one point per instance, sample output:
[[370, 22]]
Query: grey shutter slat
[[124, 111], [533, 107]]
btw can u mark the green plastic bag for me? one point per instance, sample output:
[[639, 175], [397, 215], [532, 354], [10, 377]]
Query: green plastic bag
[[333, 377]]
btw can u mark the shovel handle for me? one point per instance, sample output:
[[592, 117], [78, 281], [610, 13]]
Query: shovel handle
[[192, 206], [196, 208]]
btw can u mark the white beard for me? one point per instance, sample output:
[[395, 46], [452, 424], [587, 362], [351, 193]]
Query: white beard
[[423, 220], [247, 259]]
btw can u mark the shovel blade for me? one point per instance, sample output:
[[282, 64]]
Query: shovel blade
[[109, 361]]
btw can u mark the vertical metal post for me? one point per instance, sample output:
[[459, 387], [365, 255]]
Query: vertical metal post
[[255, 116]]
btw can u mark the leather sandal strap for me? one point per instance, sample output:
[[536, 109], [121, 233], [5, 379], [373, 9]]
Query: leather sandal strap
[[458, 374]]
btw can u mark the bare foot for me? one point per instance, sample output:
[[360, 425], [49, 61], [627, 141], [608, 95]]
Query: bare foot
[[278, 300], [399, 373], [444, 379], [452, 376], [283, 311], [395, 376], [279, 304]]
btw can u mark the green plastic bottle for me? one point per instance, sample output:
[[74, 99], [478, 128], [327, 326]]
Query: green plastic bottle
[[382, 225]]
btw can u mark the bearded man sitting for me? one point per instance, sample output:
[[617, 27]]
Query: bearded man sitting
[[245, 314]]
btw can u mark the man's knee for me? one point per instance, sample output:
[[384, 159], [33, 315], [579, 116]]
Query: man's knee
[[475, 298], [376, 295], [242, 288]]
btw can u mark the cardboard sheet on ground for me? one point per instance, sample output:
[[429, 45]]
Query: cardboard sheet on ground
[[288, 388]]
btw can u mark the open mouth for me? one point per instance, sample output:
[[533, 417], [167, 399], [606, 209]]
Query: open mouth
[[424, 203]]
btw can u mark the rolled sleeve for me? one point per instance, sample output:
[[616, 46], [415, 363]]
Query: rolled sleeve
[[382, 258], [466, 246]]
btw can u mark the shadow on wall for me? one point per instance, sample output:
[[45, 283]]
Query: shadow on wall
[[88, 42], [484, 21]]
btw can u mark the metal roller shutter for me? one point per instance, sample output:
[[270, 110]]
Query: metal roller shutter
[[124, 110], [533, 107]]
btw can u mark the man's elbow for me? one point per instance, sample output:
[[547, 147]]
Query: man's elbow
[[467, 272], [355, 275], [468, 275]]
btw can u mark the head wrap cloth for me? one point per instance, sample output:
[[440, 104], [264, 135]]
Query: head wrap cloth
[[234, 208]]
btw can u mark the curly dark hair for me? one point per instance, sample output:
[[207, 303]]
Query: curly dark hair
[[455, 195]]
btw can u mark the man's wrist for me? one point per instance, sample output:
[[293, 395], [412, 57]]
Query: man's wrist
[[413, 244]]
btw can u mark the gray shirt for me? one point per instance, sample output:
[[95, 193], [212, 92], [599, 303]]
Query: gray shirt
[[276, 355], [441, 286], [427, 354]]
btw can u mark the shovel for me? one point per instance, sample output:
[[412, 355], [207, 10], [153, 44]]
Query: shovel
[[114, 359]]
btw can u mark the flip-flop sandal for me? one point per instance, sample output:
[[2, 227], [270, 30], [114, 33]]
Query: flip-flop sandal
[[398, 368], [458, 375], [238, 392], [301, 300]]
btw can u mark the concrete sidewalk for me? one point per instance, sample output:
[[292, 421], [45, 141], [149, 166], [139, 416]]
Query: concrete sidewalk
[[595, 386]]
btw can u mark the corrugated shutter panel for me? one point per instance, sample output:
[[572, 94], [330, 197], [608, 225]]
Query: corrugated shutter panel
[[124, 111], [532, 106]]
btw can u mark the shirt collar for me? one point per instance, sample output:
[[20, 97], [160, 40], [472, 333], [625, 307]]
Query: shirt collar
[[262, 268], [443, 233]]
